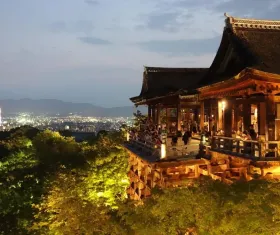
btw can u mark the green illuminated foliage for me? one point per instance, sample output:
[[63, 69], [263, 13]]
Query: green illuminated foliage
[[208, 207], [52, 185], [65, 211], [84, 198], [49, 184], [52, 149]]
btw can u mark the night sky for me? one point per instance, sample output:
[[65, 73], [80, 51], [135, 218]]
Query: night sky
[[94, 51]]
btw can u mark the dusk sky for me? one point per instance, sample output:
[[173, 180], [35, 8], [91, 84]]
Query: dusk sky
[[94, 50]]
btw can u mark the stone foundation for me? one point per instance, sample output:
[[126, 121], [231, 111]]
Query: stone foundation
[[146, 175]]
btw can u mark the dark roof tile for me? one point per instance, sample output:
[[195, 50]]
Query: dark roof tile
[[246, 43], [158, 81]]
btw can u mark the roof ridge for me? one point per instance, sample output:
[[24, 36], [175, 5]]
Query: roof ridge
[[158, 69], [250, 23]]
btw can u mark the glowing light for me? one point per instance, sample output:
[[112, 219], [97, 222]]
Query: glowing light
[[203, 138], [163, 151], [124, 181], [223, 105], [256, 113], [127, 136]]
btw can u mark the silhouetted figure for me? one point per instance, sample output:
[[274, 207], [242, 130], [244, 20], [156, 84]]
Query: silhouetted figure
[[252, 133], [174, 140], [186, 137]]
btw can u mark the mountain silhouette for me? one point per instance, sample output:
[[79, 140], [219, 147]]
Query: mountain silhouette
[[54, 107]]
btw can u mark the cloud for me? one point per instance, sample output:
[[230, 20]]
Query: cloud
[[250, 8], [92, 2], [94, 41], [58, 26], [165, 16], [182, 47], [80, 26], [166, 21], [186, 4]]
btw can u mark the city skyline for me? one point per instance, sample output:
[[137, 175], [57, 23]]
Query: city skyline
[[94, 51]]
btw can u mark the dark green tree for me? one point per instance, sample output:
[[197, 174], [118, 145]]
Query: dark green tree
[[139, 119]]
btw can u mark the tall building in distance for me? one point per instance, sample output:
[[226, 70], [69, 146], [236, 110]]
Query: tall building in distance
[[0, 117]]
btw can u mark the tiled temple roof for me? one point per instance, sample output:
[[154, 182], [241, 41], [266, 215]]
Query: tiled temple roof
[[246, 43], [158, 81]]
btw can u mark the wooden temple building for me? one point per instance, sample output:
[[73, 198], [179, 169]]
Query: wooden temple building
[[238, 92]]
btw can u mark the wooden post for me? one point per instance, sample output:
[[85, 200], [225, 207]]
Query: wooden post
[[220, 119], [270, 118], [158, 114], [179, 116], [167, 120], [246, 115], [149, 111], [228, 118], [154, 113], [201, 115], [195, 115], [211, 117], [236, 115], [262, 118]]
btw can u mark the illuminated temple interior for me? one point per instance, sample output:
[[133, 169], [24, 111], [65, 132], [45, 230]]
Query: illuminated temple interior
[[238, 94]]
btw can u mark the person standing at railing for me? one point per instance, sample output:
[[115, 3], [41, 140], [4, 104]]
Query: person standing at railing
[[252, 132], [247, 145], [186, 137]]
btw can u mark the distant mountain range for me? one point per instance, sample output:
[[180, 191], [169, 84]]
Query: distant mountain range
[[53, 107]]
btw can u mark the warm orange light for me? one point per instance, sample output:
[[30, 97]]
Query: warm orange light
[[163, 151], [223, 105]]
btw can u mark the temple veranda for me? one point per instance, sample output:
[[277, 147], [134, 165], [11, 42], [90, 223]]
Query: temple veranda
[[238, 94]]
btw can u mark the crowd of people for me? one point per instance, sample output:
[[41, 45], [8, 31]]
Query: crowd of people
[[149, 133]]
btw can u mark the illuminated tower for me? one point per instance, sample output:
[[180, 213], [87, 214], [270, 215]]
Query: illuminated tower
[[0, 117]]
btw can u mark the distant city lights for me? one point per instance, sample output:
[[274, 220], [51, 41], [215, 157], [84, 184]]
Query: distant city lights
[[72, 122]]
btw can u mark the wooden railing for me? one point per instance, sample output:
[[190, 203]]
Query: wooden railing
[[247, 148], [146, 146]]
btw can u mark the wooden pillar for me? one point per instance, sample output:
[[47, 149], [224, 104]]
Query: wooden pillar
[[270, 118], [195, 115], [220, 115], [236, 115], [246, 115], [211, 116], [215, 107], [201, 115], [167, 119], [158, 114], [179, 117], [149, 111], [228, 118], [154, 113], [262, 118]]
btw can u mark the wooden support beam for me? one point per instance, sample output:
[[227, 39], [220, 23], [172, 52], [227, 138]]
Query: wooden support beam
[[149, 111], [246, 115], [262, 118], [154, 114], [235, 117], [179, 117], [270, 117], [158, 114], [201, 115], [228, 118]]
